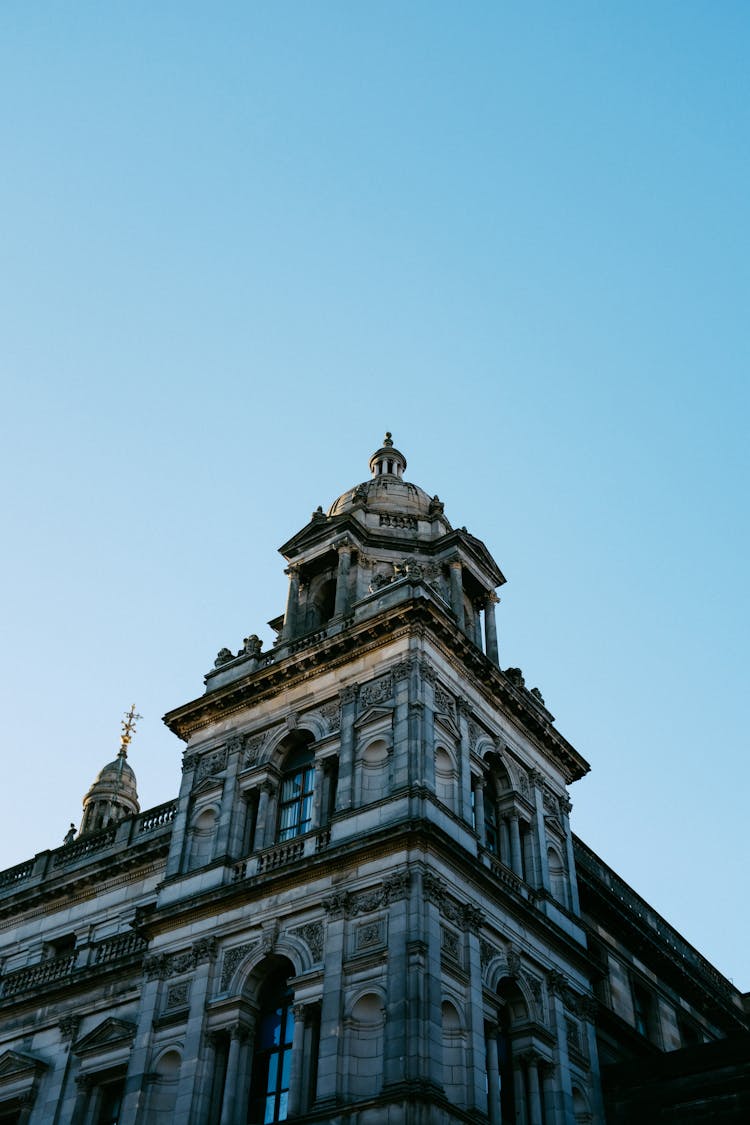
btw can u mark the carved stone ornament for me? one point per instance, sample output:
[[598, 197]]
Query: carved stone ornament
[[427, 671], [212, 763], [234, 744], [404, 669], [536, 777], [312, 935], [178, 995], [69, 1026], [223, 656], [394, 520], [450, 944], [378, 581], [379, 691], [397, 886], [270, 936], [463, 705], [253, 747], [369, 935], [514, 963], [473, 917], [232, 959], [434, 888], [444, 701], [486, 952], [588, 1008], [336, 905], [163, 965], [349, 693], [331, 712], [474, 733], [366, 901], [252, 645]]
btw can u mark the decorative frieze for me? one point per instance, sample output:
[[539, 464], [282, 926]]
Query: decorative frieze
[[253, 747], [450, 944], [211, 764], [311, 933], [369, 935], [178, 995], [444, 701], [163, 965], [231, 960], [379, 691], [331, 712]]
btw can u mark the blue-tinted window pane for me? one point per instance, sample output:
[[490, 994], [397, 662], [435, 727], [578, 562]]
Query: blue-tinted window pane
[[282, 1107], [271, 1030], [270, 1107], [289, 1028]]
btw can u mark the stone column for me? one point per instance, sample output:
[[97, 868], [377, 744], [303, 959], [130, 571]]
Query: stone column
[[519, 1090], [431, 1016], [503, 841], [428, 728], [457, 591], [180, 822], [477, 1052], [267, 789], [548, 1092], [230, 1103], [479, 787], [493, 1076], [329, 1079], [342, 579], [490, 628], [565, 809], [25, 1102], [464, 769], [535, 1092], [563, 1099], [345, 790], [396, 1052], [298, 1048], [84, 1085], [292, 603], [135, 1089], [317, 796], [515, 845], [401, 762], [589, 1009], [537, 780], [227, 816], [203, 954]]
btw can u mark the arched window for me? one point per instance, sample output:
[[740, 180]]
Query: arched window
[[297, 790], [272, 1058]]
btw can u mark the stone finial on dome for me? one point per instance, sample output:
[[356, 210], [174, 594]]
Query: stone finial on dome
[[387, 461]]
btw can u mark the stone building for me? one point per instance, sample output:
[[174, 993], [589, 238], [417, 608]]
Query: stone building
[[366, 904]]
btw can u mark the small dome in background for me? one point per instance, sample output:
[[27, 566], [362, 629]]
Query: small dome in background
[[114, 793]]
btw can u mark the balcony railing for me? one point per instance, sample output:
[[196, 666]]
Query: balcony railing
[[122, 834], [65, 968]]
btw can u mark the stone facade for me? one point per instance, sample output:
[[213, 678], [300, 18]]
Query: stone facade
[[363, 906]]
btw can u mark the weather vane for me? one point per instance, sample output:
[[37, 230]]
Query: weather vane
[[128, 730]]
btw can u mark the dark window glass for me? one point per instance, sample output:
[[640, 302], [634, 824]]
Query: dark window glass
[[110, 1103], [490, 826], [295, 812], [272, 1062]]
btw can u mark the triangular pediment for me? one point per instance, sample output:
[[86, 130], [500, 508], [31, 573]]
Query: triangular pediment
[[208, 785], [374, 715], [110, 1033], [446, 724], [13, 1064]]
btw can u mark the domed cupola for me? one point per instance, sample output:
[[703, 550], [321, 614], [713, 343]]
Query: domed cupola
[[387, 461], [114, 794]]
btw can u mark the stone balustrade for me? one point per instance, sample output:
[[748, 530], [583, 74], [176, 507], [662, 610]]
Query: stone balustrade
[[90, 846]]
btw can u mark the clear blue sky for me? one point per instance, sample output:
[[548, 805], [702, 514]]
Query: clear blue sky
[[239, 241]]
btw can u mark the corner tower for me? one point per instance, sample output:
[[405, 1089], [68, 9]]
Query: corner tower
[[372, 847]]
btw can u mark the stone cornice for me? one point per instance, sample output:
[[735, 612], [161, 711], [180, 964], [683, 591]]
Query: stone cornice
[[418, 612]]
